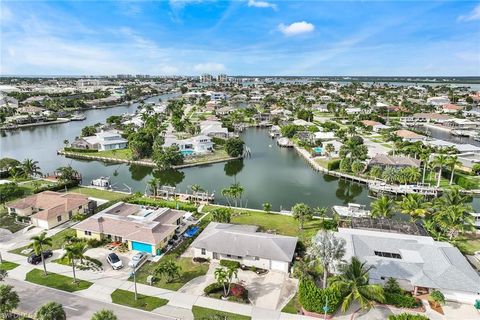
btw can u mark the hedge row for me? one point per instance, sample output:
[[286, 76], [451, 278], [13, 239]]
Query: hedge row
[[401, 300], [333, 165], [407, 316], [313, 298], [57, 186], [68, 149], [230, 264]]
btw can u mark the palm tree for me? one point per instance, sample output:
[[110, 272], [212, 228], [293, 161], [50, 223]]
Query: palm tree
[[72, 252], [414, 205], [153, 184], [389, 175], [452, 197], [425, 158], [30, 167], [195, 189], [353, 282], [67, 174], [38, 243], [224, 277], [3, 274], [440, 161], [412, 174], [452, 161], [328, 249], [455, 219], [51, 311], [104, 315], [169, 270], [302, 213], [9, 300], [382, 207]]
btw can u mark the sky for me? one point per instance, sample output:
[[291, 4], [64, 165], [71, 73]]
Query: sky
[[243, 37]]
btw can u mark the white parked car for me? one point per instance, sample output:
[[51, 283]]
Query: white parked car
[[137, 259], [114, 261]]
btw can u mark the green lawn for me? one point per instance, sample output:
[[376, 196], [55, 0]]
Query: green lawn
[[200, 313], [118, 154], [58, 240], [189, 271], [7, 265], [35, 184], [8, 222], [292, 306], [127, 298], [219, 154], [324, 161], [56, 281], [96, 193], [468, 244], [281, 224]]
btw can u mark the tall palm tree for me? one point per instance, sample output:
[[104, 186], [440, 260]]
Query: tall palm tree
[[452, 161], [455, 219], [196, 188], [72, 252], [328, 249], [353, 282], [382, 207], [153, 184], [439, 162], [30, 167], [414, 205], [424, 156], [412, 174], [38, 244], [51, 311]]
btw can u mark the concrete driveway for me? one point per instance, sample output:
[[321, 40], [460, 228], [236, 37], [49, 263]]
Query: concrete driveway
[[101, 255]]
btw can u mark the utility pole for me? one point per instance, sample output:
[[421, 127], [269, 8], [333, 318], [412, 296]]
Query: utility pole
[[135, 280]]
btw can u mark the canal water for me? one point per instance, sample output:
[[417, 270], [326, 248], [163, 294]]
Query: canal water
[[272, 174]]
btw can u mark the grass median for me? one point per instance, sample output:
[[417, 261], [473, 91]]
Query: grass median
[[127, 298], [57, 281], [205, 313], [7, 265]]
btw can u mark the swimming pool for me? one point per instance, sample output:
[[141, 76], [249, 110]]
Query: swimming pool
[[318, 149], [187, 152]]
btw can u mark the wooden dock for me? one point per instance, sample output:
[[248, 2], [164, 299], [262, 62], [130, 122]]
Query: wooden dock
[[427, 191], [171, 192]]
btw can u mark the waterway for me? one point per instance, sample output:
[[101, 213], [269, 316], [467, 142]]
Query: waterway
[[272, 174]]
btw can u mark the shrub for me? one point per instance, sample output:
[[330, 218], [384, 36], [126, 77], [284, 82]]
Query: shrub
[[346, 165], [239, 291], [57, 186], [333, 165], [437, 297], [230, 264], [313, 298], [201, 260], [67, 149], [476, 169], [163, 203], [401, 300], [392, 286], [213, 288], [95, 243], [407, 316]]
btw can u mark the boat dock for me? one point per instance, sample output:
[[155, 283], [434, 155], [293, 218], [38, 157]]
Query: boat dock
[[381, 187], [171, 192]]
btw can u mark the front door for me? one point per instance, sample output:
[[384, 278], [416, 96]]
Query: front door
[[215, 256]]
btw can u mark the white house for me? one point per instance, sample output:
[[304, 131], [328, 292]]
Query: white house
[[106, 140], [213, 128], [419, 263], [244, 244], [200, 144], [438, 101]]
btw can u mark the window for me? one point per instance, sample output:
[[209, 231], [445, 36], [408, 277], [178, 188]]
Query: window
[[204, 251], [88, 233], [79, 207], [229, 255], [165, 240], [388, 254], [239, 257], [256, 258], [59, 218]]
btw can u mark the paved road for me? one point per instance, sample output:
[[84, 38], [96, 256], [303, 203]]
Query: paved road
[[77, 308]]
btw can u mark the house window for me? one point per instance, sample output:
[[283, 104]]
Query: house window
[[204, 251], [388, 254], [256, 258], [229, 255], [88, 233], [12, 210], [165, 240], [79, 207], [59, 218], [238, 257]]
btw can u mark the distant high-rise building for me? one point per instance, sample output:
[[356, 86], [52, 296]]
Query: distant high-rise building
[[142, 76], [124, 76], [222, 78], [206, 77]]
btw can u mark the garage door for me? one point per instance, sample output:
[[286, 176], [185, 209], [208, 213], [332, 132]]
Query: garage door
[[278, 265], [144, 247]]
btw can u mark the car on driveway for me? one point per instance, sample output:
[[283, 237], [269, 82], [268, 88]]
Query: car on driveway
[[36, 258], [114, 261], [138, 259]]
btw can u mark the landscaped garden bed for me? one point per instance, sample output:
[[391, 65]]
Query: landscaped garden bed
[[258, 271], [237, 293], [205, 313], [57, 281], [7, 265]]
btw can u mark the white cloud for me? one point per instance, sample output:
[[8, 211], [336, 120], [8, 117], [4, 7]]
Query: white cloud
[[296, 28], [261, 4], [209, 67], [471, 16]]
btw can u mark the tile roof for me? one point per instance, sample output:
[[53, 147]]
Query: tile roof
[[386, 160]]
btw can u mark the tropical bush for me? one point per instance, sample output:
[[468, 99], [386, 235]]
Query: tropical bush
[[401, 300], [230, 264], [239, 291], [313, 298], [164, 203], [212, 288], [201, 260], [407, 316], [333, 165], [80, 150]]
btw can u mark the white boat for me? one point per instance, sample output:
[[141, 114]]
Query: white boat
[[78, 117], [476, 219], [352, 210], [102, 182]]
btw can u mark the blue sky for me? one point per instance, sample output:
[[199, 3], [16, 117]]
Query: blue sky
[[250, 37]]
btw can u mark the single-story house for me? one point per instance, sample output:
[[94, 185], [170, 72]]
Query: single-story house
[[213, 128], [383, 160], [104, 140], [376, 126], [438, 101], [49, 209], [418, 263], [410, 136], [143, 228], [196, 145], [244, 244], [469, 159], [450, 108]]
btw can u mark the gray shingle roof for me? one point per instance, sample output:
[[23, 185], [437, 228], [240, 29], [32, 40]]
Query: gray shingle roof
[[243, 240], [424, 262]]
